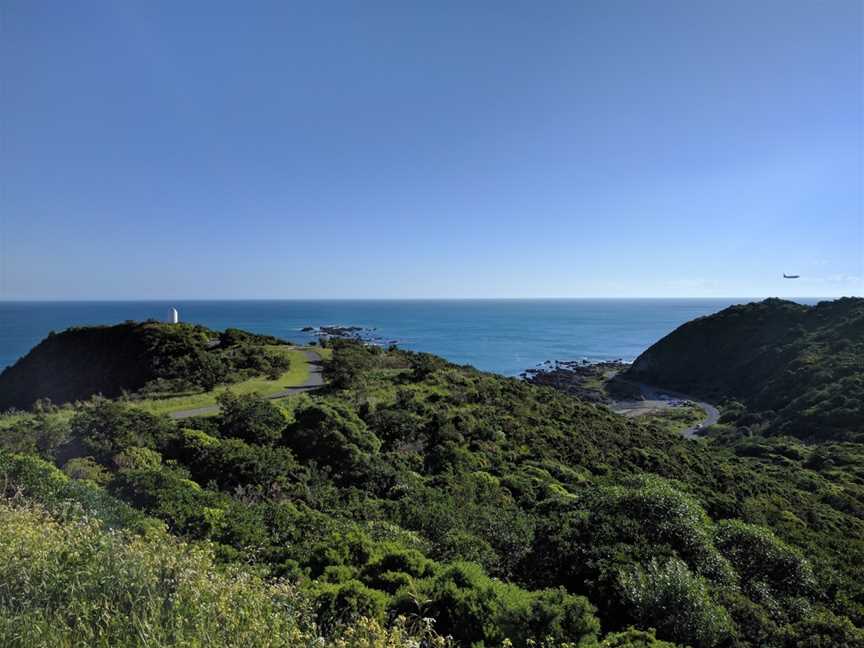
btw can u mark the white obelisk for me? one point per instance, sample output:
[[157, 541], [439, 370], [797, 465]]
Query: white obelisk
[[173, 316]]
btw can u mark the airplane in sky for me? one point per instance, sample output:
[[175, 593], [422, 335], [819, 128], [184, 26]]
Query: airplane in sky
[[785, 276]]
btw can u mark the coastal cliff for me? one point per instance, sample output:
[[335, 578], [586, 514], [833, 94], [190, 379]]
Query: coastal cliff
[[797, 369], [109, 360]]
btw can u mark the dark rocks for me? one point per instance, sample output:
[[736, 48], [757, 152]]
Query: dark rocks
[[580, 378], [341, 331], [359, 333]]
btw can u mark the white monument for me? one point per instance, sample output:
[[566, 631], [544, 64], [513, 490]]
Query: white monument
[[173, 316]]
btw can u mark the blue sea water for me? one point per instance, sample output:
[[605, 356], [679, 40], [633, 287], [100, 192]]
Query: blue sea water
[[504, 336]]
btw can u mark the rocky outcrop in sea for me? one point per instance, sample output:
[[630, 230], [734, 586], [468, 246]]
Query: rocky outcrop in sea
[[359, 333]]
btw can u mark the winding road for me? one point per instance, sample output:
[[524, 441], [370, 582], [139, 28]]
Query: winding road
[[655, 398], [314, 381], [712, 414]]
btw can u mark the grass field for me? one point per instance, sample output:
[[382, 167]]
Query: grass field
[[295, 376], [326, 354], [677, 419]]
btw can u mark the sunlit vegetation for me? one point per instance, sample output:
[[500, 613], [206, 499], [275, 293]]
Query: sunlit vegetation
[[676, 419], [463, 503], [147, 359], [264, 385], [779, 368], [67, 580]]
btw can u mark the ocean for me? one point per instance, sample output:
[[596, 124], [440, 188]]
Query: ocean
[[506, 336]]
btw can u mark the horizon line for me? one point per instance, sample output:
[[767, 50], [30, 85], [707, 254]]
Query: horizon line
[[428, 299]]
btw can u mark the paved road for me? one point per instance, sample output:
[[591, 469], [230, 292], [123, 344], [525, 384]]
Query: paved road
[[314, 381], [653, 401], [711, 413]]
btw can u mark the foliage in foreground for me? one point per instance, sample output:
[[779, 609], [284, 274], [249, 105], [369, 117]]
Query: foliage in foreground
[[66, 580], [507, 512]]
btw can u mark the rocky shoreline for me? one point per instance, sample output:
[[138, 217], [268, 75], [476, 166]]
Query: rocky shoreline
[[582, 378], [590, 381]]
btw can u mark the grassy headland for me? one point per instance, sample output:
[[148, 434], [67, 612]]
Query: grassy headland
[[265, 386], [134, 357]]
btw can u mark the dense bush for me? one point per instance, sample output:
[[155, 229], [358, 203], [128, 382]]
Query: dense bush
[[230, 463], [765, 564], [251, 418], [676, 601], [30, 477], [111, 360], [343, 603], [468, 604], [86, 468], [634, 639], [330, 433], [104, 428], [38, 434], [68, 582], [181, 503], [791, 369], [348, 363], [500, 509]]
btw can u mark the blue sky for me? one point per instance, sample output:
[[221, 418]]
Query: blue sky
[[446, 149]]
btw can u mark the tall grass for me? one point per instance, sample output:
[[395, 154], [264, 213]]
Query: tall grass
[[68, 581], [72, 583]]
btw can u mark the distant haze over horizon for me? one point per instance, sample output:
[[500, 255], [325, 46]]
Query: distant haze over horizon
[[386, 150], [180, 300]]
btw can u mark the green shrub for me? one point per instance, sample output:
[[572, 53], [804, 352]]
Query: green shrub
[[822, 629], [71, 583], [39, 434], [632, 638], [352, 548], [104, 428], [333, 435], [350, 360], [394, 567], [230, 463], [473, 608], [251, 418], [39, 481], [87, 468], [585, 539], [138, 459], [761, 559], [665, 515], [675, 601], [344, 602], [179, 502]]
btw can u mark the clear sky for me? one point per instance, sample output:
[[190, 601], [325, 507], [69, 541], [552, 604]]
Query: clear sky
[[431, 149]]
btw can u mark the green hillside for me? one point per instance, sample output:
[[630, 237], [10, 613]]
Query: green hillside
[[503, 511], [793, 369], [78, 568], [109, 360]]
